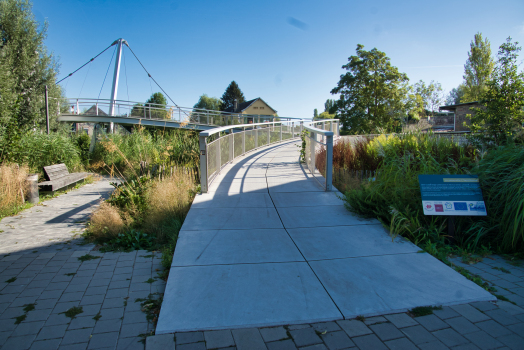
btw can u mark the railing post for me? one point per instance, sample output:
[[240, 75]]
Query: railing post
[[256, 137], [292, 130], [269, 135], [231, 146], [219, 150], [312, 148], [244, 140], [203, 163], [281, 126], [329, 163], [301, 126]]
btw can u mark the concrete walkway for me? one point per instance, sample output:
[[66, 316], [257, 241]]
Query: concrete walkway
[[267, 246]]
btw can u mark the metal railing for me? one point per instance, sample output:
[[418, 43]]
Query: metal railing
[[101, 107], [319, 150], [236, 141]]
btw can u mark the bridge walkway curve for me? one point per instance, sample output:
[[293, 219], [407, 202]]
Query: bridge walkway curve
[[267, 246]]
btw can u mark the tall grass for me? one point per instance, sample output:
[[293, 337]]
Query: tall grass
[[12, 187]]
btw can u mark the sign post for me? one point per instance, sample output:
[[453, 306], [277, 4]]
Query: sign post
[[451, 195]]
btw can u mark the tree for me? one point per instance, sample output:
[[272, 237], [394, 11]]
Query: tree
[[328, 105], [27, 67], [315, 114], [156, 104], [455, 95], [501, 116], [231, 94], [478, 69], [431, 95], [206, 102], [372, 93]]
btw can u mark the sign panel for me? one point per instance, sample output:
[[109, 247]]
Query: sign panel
[[452, 195]]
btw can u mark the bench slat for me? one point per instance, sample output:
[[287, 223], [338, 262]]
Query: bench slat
[[55, 172]]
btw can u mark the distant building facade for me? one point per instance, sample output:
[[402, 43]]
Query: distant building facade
[[256, 106], [459, 114]]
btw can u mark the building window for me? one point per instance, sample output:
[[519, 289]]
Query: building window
[[261, 107], [255, 107]]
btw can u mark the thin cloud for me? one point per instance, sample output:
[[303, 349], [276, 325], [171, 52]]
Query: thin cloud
[[450, 66], [297, 24]]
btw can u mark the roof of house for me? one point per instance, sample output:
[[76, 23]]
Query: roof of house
[[92, 111], [245, 105], [453, 107]]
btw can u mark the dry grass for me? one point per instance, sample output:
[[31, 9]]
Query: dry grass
[[168, 199], [106, 222], [12, 187]]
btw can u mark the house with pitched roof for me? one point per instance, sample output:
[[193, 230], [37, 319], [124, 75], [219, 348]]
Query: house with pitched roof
[[256, 106]]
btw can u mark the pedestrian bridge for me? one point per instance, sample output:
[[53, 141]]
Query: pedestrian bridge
[[86, 110], [269, 242]]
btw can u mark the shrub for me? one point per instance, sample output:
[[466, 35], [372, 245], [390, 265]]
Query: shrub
[[12, 187], [105, 223]]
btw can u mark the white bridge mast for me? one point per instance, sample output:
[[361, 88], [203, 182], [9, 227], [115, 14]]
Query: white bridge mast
[[114, 89]]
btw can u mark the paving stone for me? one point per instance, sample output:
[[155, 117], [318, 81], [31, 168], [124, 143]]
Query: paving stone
[[483, 340], [119, 284], [418, 335], [502, 317], [400, 344], [434, 345], [218, 339], [26, 328], [369, 342], [431, 322], [461, 325], [466, 347], [46, 344], [401, 320], [103, 340], [134, 317], [354, 328], [450, 337], [189, 337], [82, 322], [52, 332], [38, 315], [298, 326], [162, 341], [96, 290], [19, 343], [112, 303], [115, 293], [510, 308], [280, 345], [484, 305], [192, 346], [92, 299], [76, 296], [374, 320], [76, 288], [133, 330], [386, 331], [100, 282], [105, 326], [326, 326], [470, 313], [57, 319], [512, 341], [23, 301], [314, 347], [90, 310], [305, 337], [273, 333], [248, 338], [337, 340], [109, 314], [76, 336]]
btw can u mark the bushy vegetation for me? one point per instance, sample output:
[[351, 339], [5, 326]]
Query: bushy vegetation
[[12, 187], [393, 196]]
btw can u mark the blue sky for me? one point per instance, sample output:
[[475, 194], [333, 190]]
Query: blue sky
[[289, 53]]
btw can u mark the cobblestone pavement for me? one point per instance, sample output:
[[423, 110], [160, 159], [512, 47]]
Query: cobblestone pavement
[[481, 325], [41, 277]]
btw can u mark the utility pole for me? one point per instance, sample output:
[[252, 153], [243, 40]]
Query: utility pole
[[114, 89], [47, 110]]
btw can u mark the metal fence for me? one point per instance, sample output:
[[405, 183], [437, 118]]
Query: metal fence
[[319, 150], [219, 146]]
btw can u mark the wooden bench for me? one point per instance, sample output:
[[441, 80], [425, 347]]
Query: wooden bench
[[58, 177]]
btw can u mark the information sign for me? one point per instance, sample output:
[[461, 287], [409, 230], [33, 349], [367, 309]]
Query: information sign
[[458, 195]]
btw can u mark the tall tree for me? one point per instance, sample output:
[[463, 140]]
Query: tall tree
[[431, 94], [372, 93], [502, 118], [315, 114], [157, 105], [455, 95], [231, 94], [206, 102], [478, 69], [328, 105], [28, 65]]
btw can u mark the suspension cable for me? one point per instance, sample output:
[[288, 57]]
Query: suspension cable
[[106, 74], [85, 64], [151, 76], [125, 70]]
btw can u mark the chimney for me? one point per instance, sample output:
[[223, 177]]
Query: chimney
[[235, 106]]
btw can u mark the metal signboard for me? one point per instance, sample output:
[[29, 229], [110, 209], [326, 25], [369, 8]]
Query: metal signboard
[[457, 195]]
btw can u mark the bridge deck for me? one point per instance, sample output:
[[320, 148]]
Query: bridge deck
[[267, 246]]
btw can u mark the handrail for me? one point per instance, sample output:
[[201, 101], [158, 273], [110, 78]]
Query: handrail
[[213, 131]]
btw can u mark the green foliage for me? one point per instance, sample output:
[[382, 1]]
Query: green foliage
[[372, 93], [501, 118], [424, 310], [29, 307], [315, 114], [156, 106], [231, 94], [328, 105], [88, 257], [39, 149], [72, 312], [20, 319], [430, 95], [210, 103], [477, 70], [455, 95], [130, 194], [11, 280], [97, 316], [26, 68], [132, 239], [83, 142]]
